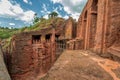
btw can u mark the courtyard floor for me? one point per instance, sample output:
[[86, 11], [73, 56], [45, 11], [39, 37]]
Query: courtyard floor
[[83, 65]]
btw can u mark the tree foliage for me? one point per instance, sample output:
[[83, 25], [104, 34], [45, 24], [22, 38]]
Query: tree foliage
[[53, 15], [36, 18]]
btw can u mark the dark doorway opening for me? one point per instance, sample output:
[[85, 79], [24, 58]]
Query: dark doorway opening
[[36, 38], [57, 37], [48, 37]]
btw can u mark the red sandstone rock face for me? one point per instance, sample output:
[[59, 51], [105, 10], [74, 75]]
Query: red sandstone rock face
[[114, 29], [33, 54], [70, 29], [75, 44], [98, 26], [98, 30], [3, 70], [113, 37]]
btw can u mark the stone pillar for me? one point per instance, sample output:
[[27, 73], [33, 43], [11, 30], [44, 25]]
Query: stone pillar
[[53, 56], [100, 26], [87, 34], [53, 35], [106, 25]]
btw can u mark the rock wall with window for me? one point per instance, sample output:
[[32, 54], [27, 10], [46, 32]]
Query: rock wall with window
[[98, 27], [33, 54]]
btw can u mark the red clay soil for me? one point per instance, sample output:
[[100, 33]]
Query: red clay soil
[[83, 65]]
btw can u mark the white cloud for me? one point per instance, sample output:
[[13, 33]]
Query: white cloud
[[28, 2], [0, 23], [45, 16], [44, 7], [45, 10], [66, 17], [9, 10], [56, 10], [56, 1], [73, 7], [28, 16], [75, 15], [11, 24], [60, 7]]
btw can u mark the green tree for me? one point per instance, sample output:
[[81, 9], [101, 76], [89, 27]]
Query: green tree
[[36, 19], [53, 14]]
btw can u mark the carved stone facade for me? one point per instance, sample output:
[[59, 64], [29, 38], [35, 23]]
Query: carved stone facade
[[33, 54], [98, 27]]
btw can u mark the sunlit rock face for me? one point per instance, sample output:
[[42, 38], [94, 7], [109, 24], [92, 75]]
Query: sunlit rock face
[[98, 27], [33, 54], [98, 30], [3, 70], [70, 28]]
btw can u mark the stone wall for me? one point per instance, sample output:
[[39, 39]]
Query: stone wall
[[70, 29], [113, 30], [98, 30], [33, 54], [75, 44], [98, 27], [3, 70]]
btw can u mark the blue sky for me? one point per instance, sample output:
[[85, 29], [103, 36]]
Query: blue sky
[[19, 13]]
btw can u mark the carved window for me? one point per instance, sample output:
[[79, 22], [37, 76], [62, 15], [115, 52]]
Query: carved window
[[57, 37], [48, 37], [36, 39]]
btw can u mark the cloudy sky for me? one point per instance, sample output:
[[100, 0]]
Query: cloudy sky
[[19, 13]]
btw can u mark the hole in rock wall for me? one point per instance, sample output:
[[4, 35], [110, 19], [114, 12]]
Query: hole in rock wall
[[36, 39], [57, 37], [48, 37]]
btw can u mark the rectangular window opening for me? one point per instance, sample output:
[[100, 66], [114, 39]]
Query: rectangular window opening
[[36, 39], [48, 37]]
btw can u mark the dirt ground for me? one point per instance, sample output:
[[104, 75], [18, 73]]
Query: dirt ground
[[83, 65]]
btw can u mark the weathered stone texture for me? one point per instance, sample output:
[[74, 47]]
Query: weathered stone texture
[[33, 54], [98, 27], [3, 70], [70, 29], [113, 37], [75, 44]]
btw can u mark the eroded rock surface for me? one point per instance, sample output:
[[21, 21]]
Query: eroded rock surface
[[3, 70], [82, 65]]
